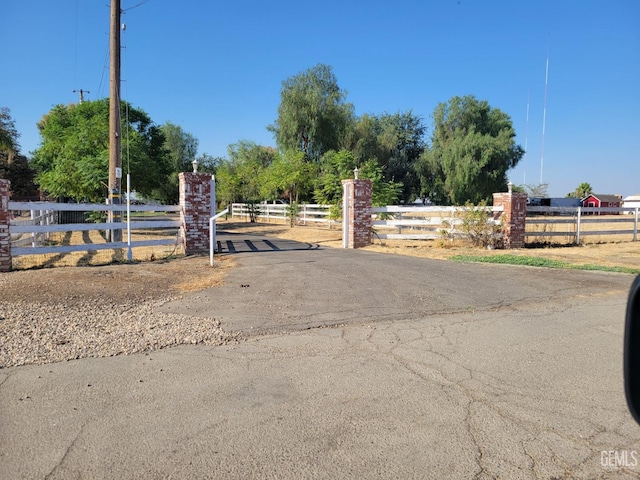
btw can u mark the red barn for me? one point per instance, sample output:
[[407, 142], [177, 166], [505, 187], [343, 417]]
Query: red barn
[[597, 200]]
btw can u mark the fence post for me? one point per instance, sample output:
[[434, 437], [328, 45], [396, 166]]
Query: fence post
[[452, 227], [578, 224], [356, 213], [514, 217], [195, 203], [5, 235], [635, 226]]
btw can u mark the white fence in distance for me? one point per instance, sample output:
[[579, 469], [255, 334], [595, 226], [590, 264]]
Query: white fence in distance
[[399, 222], [40, 222], [278, 212], [577, 219], [390, 222]]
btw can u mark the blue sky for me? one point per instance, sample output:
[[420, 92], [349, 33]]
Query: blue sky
[[216, 69]]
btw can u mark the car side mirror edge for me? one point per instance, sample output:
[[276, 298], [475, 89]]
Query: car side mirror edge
[[632, 350]]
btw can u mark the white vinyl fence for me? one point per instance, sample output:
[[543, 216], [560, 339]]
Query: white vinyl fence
[[33, 223], [574, 223], [423, 223], [390, 222], [278, 212], [434, 222]]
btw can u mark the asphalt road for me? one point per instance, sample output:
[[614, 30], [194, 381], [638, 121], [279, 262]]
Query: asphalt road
[[354, 365]]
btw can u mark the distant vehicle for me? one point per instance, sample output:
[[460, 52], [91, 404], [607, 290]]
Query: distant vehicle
[[554, 202]]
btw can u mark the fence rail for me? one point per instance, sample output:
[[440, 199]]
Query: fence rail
[[309, 213], [34, 222], [579, 220], [423, 223], [399, 222]]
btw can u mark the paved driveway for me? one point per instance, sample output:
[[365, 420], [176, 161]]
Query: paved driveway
[[355, 365]]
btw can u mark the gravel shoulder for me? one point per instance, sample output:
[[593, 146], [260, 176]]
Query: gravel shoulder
[[59, 314]]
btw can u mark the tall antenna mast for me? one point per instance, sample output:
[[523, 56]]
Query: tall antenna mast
[[526, 139], [544, 111]]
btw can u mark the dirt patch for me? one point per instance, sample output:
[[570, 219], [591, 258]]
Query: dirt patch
[[114, 284]]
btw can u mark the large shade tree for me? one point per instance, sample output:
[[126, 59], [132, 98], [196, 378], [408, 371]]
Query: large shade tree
[[472, 148], [241, 178], [8, 133], [182, 148], [313, 114], [13, 165], [289, 175], [73, 158], [395, 142], [337, 166]]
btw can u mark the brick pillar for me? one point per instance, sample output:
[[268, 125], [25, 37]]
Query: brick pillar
[[513, 217], [5, 236], [195, 200], [356, 213]]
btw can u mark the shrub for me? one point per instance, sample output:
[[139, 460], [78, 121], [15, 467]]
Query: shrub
[[477, 224]]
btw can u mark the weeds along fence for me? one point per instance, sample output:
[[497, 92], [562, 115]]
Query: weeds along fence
[[575, 225], [281, 213], [48, 233], [429, 223]]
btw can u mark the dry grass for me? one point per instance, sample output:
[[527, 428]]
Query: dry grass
[[588, 224], [205, 277], [97, 257]]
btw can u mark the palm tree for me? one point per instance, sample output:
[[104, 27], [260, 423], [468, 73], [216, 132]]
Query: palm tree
[[583, 190]]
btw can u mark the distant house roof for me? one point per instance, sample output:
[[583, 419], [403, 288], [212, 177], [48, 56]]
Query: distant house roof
[[605, 198], [632, 198]]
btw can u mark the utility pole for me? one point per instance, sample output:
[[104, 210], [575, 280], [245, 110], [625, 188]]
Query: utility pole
[[81, 92], [115, 155]]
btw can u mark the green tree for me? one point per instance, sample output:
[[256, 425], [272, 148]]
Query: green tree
[[288, 174], [14, 166], [8, 134], [313, 115], [73, 159], [337, 166], [472, 148], [241, 177], [208, 163], [20, 174], [583, 190], [182, 148], [396, 142]]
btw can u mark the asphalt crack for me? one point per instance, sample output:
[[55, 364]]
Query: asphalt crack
[[66, 453]]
